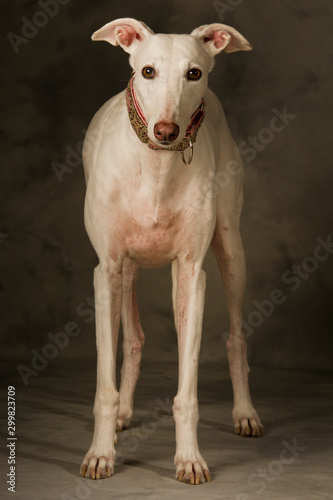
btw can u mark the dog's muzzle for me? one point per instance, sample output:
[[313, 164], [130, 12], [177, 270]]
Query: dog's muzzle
[[140, 126]]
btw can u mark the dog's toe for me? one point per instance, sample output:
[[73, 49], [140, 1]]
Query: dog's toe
[[192, 472], [249, 427], [122, 424], [97, 467], [247, 422]]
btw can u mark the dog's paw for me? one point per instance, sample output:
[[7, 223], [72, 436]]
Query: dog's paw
[[247, 423], [97, 467], [195, 472], [123, 423]]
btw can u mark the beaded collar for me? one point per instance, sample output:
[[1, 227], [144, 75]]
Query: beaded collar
[[139, 124]]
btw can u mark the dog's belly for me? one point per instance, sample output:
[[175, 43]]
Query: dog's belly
[[153, 247]]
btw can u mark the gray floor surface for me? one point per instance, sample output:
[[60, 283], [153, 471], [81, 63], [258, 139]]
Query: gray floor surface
[[294, 459]]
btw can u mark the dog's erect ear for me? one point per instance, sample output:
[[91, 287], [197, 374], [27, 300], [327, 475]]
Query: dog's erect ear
[[216, 37], [126, 32]]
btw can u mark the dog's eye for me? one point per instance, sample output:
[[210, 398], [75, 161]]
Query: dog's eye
[[148, 72], [194, 74]]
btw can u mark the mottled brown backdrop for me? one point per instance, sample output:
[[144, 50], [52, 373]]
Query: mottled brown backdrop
[[54, 78]]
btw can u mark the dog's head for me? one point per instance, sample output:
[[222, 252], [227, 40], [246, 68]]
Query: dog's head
[[171, 71]]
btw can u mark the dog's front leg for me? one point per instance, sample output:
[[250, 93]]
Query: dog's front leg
[[188, 306], [99, 461], [132, 347]]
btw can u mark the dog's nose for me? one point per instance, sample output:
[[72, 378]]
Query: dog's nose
[[165, 131]]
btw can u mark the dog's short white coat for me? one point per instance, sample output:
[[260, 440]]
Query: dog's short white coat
[[147, 208]]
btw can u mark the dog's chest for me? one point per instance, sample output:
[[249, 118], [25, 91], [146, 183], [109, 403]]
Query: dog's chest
[[151, 233]]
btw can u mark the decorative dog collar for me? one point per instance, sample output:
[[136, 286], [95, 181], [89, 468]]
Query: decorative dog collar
[[139, 124]]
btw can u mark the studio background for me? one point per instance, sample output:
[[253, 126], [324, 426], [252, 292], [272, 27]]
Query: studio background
[[54, 82]]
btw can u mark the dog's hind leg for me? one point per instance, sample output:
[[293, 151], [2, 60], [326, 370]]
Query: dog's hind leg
[[132, 345], [228, 249]]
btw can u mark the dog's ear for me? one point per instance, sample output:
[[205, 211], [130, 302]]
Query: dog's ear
[[216, 37], [126, 32]]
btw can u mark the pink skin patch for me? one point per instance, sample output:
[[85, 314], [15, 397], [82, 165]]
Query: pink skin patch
[[127, 34], [150, 247], [219, 37]]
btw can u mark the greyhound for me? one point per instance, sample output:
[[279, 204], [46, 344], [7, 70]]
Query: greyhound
[[151, 155]]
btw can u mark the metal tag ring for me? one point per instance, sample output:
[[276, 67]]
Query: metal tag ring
[[190, 158]]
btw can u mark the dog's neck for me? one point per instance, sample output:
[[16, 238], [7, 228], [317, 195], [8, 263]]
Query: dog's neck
[[140, 126]]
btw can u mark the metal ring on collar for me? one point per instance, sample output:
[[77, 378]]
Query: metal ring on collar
[[190, 158]]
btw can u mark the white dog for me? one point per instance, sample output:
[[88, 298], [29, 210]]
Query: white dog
[[150, 201]]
